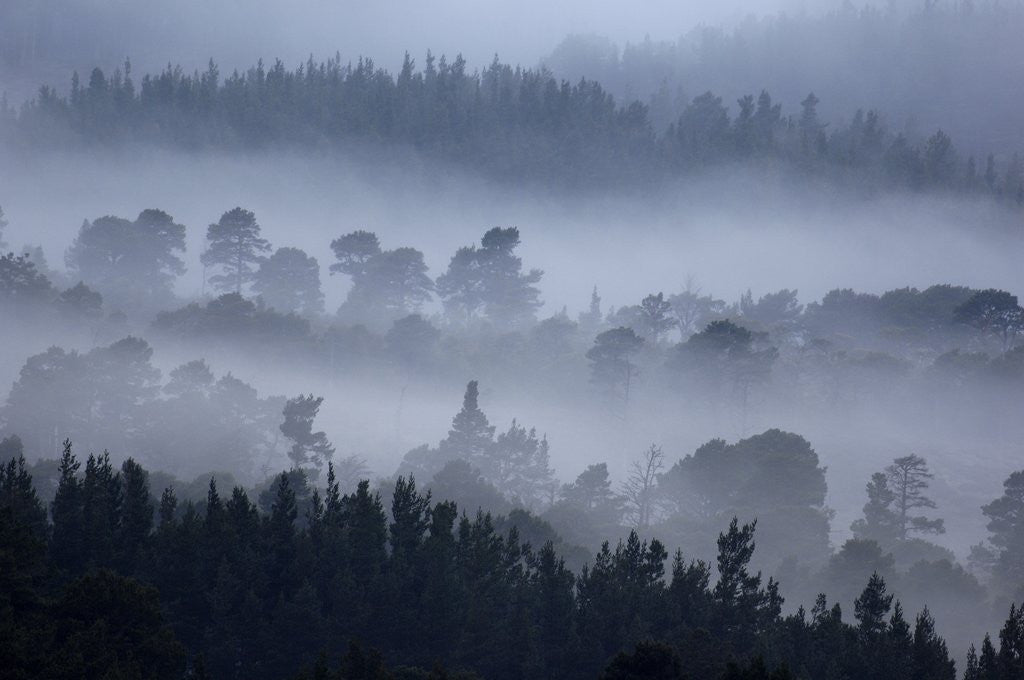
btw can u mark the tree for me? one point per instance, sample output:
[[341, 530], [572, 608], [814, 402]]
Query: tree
[[694, 311], [930, 655], [588, 510], [640, 488], [746, 607], [491, 277], [724, 354], [518, 464], [1006, 533], [192, 378], [940, 161], [307, 446], [353, 251], [386, 284], [471, 435], [811, 130], [908, 478], [136, 516], [235, 246], [67, 547], [81, 301], [772, 308], [992, 311], [394, 282], [590, 320], [649, 661], [872, 606], [289, 281], [610, 365], [412, 341], [21, 282], [654, 317], [131, 263], [775, 476], [879, 523]]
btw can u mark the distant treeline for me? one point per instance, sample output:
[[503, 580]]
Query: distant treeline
[[113, 583], [509, 122]]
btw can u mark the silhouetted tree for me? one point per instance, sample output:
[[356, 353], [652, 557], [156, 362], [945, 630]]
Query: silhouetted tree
[[289, 281], [234, 245], [308, 447], [908, 479], [610, 365]]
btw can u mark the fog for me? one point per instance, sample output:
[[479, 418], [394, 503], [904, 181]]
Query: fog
[[730, 230], [84, 33], [726, 232], [593, 320]]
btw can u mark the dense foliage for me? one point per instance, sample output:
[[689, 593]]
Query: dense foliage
[[116, 583], [510, 123]]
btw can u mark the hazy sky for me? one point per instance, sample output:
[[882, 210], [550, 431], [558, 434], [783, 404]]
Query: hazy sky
[[236, 33]]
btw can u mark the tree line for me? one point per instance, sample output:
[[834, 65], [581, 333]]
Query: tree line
[[508, 122], [113, 582]]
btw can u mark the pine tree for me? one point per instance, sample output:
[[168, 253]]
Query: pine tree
[[67, 546], [908, 479], [136, 519], [308, 447], [931, 657], [610, 364], [235, 246], [289, 282], [972, 671], [471, 435], [988, 666], [1006, 532], [871, 607], [879, 523], [17, 493], [101, 506]]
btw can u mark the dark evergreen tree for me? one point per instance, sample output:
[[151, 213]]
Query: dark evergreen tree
[[67, 547]]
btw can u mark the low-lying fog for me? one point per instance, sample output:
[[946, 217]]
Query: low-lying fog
[[728, 232]]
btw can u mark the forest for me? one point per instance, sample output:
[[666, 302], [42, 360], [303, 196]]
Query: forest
[[508, 341], [513, 124], [315, 543]]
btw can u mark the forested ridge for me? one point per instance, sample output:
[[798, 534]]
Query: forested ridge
[[290, 568], [117, 583], [681, 341], [511, 123]]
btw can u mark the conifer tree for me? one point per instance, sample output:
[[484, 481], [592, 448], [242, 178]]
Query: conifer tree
[[879, 523], [136, 519], [236, 248], [471, 435], [308, 447], [908, 479], [67, 546]]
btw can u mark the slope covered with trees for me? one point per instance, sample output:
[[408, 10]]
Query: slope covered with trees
[[508, 122], [118, 583]]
